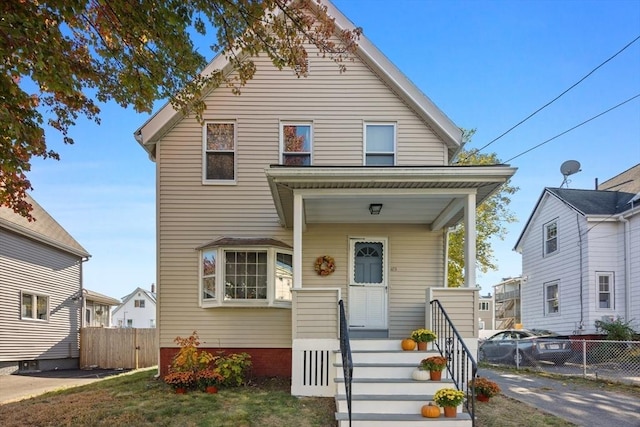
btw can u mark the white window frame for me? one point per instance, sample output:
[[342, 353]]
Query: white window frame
[[546, 239], [206, 180], [139, 303], [282, 142], [485, 304], [218, 301], [611, 278], [34, 307], [365, 152], [548, 300]]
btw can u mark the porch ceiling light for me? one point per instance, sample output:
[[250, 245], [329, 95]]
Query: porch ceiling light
[[375, 208]]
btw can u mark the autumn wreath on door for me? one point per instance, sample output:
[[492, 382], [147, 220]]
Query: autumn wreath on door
[[325, 265]]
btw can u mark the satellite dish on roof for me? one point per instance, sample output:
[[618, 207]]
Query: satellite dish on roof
[[569, 168]]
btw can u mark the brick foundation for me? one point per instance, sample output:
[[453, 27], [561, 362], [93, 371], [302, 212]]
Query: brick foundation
[[266, 362]]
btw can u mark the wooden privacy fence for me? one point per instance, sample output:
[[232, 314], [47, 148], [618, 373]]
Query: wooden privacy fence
[[118, 348]]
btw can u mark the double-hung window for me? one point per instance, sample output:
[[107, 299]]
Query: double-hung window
[[296, 143], [550, 238], [551, 298], [220, 152], [379, 144], [34, 306], [605, 290], [246, 276]]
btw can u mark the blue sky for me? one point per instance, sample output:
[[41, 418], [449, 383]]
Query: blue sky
[[486, 64]]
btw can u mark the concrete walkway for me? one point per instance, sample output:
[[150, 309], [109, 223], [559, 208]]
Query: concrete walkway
[[583, 405]]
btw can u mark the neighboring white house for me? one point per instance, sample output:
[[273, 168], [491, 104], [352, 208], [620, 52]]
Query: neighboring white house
[[581, 256], [137, 310]]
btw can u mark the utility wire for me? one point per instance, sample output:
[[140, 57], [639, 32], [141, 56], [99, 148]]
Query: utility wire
[[553, 100], [575, 127]]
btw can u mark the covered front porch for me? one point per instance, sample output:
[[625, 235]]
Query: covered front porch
[[386, 229]]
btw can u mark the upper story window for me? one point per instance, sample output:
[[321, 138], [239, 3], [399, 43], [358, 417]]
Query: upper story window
[[296, 143], [380, 144], [138, 303], [550, 238], [551, 298], [220, 152], [605, 290], [248, 276], [35, 307], [484, 306]]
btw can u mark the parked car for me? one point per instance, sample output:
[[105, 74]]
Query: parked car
[[521, 346]]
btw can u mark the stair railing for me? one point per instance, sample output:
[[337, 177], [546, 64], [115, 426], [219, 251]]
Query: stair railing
[[461, 365], [347, 361]]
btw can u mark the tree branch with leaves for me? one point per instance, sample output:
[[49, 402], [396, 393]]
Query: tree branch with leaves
[[61, 58]]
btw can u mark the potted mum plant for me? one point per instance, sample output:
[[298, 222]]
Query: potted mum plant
[[180, 381], [449, 399], [422, 337], [435, 365], [208, 380], [484, 388]]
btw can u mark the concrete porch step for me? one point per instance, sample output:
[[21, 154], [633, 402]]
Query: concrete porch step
[[400, 420], [383, 403], [392, 386]]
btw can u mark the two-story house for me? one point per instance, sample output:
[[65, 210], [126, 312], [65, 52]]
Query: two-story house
[[137, 310], [40, 292], [303, 192], [581, 260]]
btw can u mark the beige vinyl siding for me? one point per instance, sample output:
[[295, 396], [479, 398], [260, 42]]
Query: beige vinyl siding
[[191, 213], [461, 305], [28, 266], [317, 314]]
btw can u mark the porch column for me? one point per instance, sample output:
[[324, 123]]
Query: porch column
[[297, 241], [469, 241]]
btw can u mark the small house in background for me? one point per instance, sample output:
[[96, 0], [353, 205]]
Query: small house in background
[[507, 302], [40, 292], [581, 256], [97, 309], [486, 313], [137, 310]]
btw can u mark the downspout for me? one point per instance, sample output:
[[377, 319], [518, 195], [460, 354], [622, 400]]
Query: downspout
[[83, 300], [581, 325], [627, 278]]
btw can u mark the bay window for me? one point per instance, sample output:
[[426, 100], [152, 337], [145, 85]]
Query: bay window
[[246, 276]]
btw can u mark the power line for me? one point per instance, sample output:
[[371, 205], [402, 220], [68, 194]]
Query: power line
[[575, 127], [556, 98]]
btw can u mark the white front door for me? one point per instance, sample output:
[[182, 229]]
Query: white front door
[[367, 283]]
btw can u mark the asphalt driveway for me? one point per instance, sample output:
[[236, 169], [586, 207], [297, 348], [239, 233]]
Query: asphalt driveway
[[583, 405], [23, 386]]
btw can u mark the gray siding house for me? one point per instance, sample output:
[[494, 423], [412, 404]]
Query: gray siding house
[[581, 260], [302, 192], [40, 293]]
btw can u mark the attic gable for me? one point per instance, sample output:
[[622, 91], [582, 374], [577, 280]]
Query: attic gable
[[151, 132], [584, 202]]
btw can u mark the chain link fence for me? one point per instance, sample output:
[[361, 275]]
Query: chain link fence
[[617, 361]]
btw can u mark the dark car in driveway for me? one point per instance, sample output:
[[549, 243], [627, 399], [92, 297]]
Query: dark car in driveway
[[522, 346]]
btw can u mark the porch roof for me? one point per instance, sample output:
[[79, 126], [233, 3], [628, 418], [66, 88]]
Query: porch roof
[[430, 195]]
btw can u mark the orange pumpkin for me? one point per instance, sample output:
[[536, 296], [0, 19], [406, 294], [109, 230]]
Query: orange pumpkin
[[408, 344], [430, 411]]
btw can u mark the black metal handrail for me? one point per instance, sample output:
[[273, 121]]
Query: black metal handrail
[[462, 367], [347, 361]]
